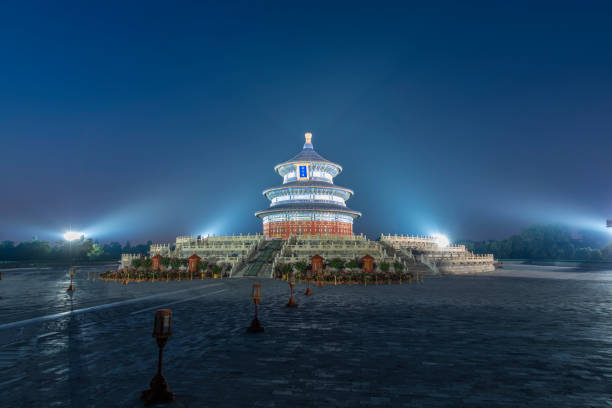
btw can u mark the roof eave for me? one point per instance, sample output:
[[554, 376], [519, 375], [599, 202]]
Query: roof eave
[[353, 213], [330, 186], [278, 166]]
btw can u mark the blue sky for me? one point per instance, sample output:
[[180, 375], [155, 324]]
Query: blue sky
[[147, 120]]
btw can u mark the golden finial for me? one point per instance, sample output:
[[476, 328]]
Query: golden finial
[[308, 136]]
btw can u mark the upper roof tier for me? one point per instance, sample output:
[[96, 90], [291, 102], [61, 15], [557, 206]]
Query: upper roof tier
[[310, 157]]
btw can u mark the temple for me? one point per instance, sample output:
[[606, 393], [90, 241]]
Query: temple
[[308, 218], [308, 202]]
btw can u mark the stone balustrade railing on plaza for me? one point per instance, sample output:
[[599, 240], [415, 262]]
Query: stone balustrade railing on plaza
[[227, 247], [235, 249], [213, 251], [328, 237], [279, 260], [467, 264], [449, 259], [230, 239], [301, 248], [161, 249], [126, 259], [331, 245], [467, 260], [407, 238], [357, 249]]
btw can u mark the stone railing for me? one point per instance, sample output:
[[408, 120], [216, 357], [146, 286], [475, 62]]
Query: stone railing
[[212, 246], [449, 259], [220, 239], [161, 249], [126, 259]]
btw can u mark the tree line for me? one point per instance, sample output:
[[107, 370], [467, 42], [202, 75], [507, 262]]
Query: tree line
[[77, 250], [546, 242], [535, 242]]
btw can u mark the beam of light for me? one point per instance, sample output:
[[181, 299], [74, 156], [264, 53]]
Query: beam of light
[[214, 228], [221, 221], [544, 212], [141, 216], [441, 239], [72, 235]]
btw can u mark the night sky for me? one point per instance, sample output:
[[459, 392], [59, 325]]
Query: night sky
[[146, 121]]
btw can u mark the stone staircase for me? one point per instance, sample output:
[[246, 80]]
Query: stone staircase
[[412, 263], [260, 263]]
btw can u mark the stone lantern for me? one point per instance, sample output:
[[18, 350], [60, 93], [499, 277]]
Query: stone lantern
[[194, 260], [367, 263], [317, 263], [155, 262]]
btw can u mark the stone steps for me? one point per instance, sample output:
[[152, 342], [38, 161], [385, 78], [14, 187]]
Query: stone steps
[[412, 265], [260, 264]]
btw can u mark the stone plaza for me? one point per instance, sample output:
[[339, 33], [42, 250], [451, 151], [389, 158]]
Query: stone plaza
[[470, 341]]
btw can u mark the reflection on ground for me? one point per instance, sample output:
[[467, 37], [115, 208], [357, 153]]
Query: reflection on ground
[[452, 341]]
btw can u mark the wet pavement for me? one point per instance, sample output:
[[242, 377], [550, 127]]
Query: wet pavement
[[465, 341]]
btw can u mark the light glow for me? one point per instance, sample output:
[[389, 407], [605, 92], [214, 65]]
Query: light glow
[[441, 240], [72, 235]]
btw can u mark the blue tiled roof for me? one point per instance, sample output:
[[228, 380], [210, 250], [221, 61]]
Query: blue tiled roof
[[308, 154]]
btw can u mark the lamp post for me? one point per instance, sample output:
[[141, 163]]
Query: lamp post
[[255, 326], [308, 292], [162, 330], [292, 302], [70, 289], [71, 236]]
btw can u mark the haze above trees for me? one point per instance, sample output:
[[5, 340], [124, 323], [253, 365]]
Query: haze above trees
[[543, 242], [546, 242], [78, 250]]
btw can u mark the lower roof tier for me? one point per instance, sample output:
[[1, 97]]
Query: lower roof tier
[[308, 188], [306, 214]]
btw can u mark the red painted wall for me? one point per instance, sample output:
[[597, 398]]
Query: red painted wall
[[284, 229]]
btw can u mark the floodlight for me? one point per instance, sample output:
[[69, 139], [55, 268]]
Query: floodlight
[[441, 240], [72, 235]]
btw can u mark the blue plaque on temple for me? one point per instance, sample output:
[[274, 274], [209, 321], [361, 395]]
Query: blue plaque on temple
[[303, 171]]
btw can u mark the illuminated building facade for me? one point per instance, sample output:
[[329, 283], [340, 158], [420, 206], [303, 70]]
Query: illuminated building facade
[[308, 202], [308, 211]]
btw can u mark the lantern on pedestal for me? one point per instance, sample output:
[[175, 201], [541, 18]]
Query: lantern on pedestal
[[162, 330], [292, 302], [367, 263], [72, 274], [256, 295], [194, 260], [317, 263], [308, 292], [155, 262], [317, 267]]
